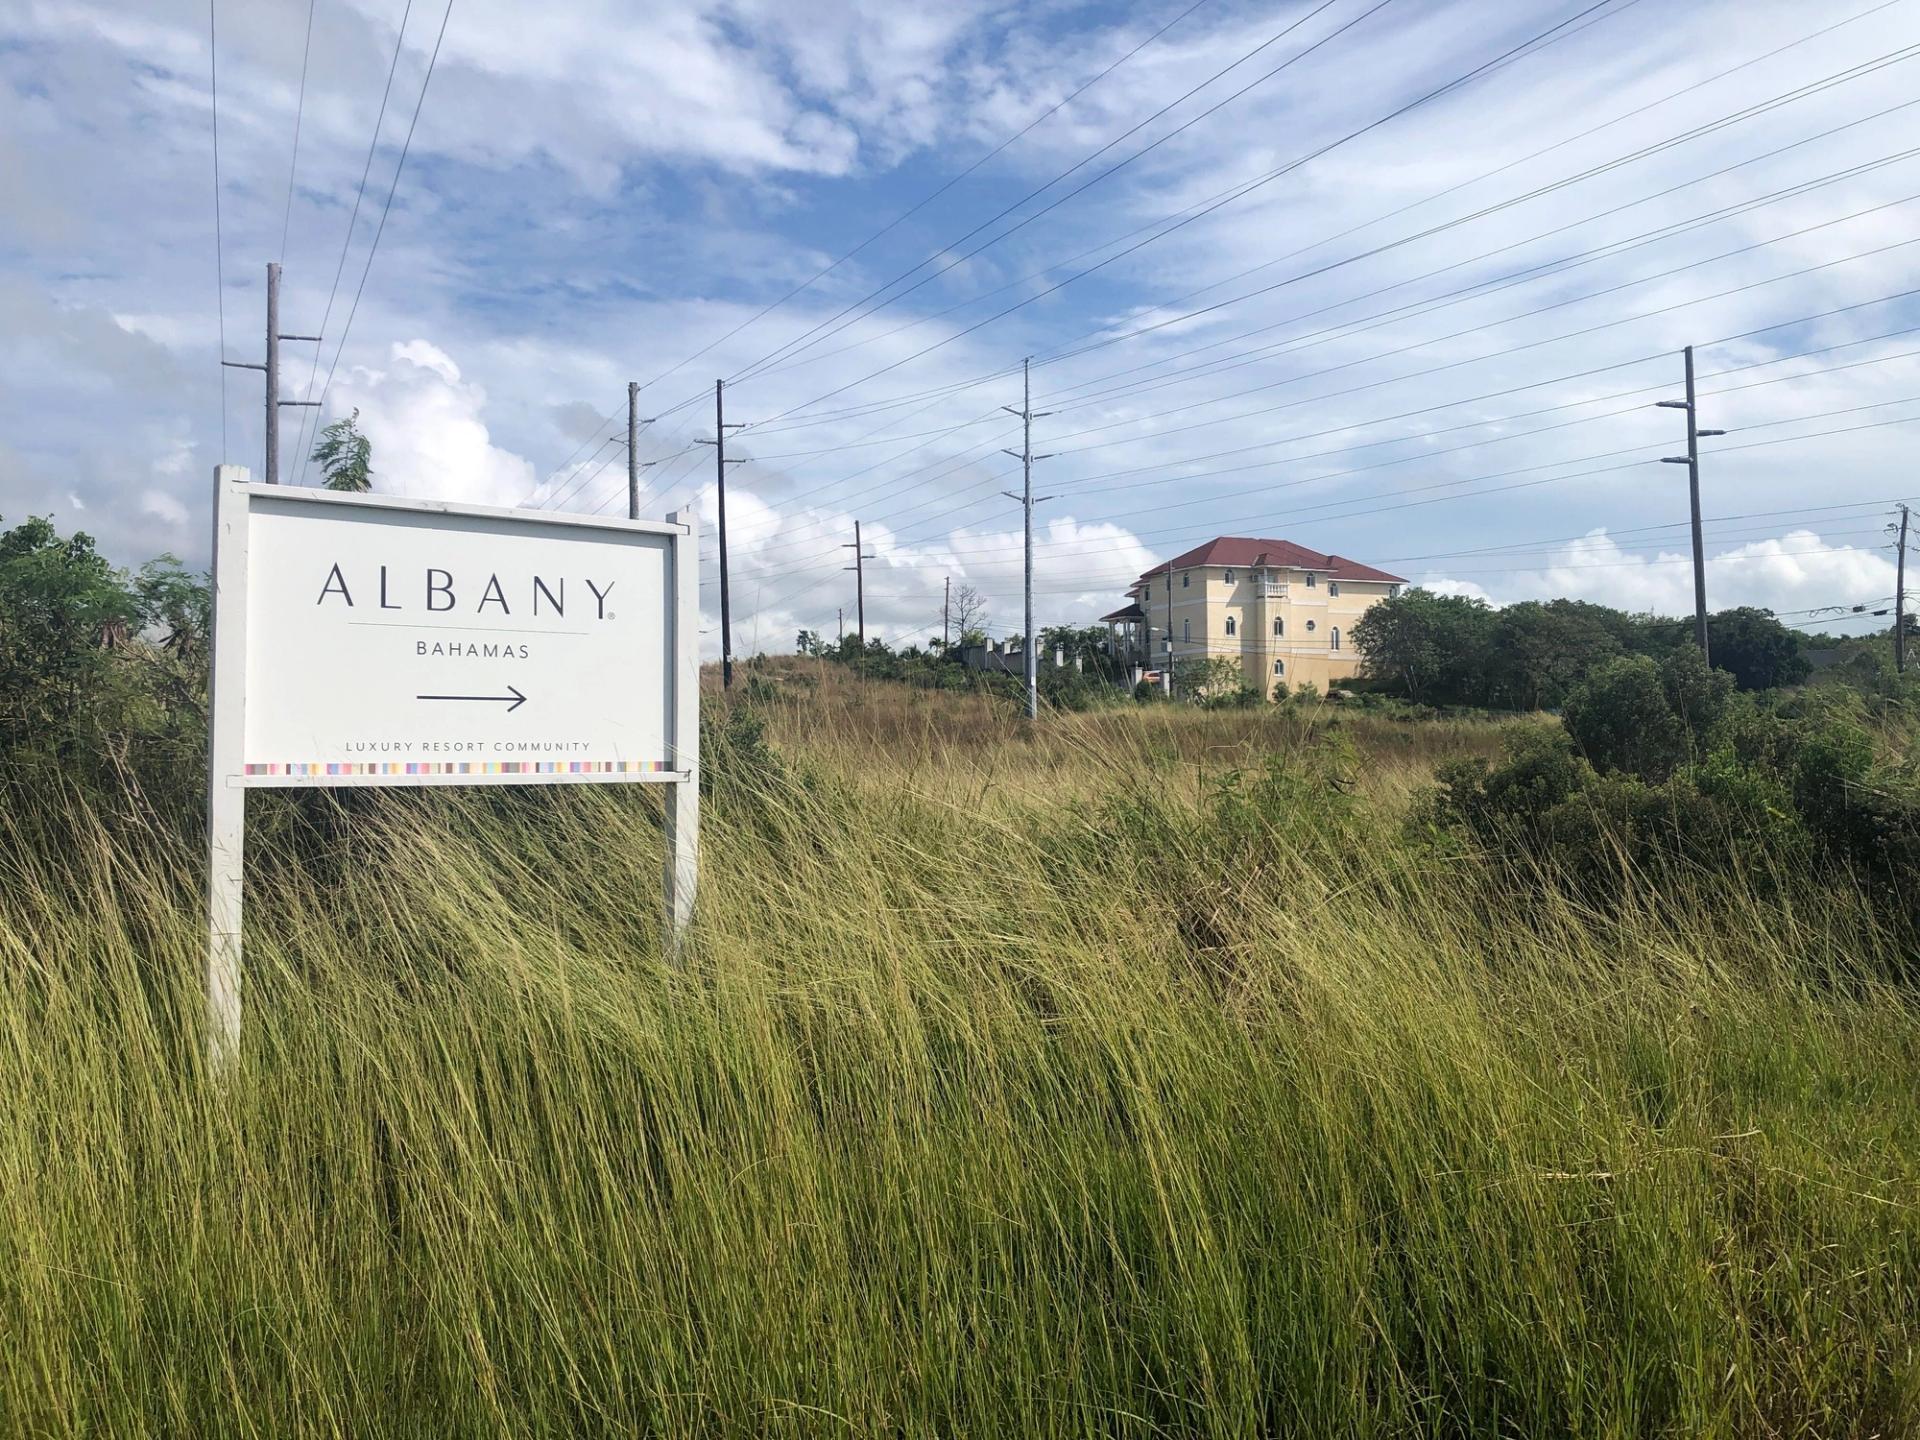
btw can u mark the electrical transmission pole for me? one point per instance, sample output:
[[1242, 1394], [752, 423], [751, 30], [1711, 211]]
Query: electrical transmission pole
[[859, 585], [272, 371], [1900, 598], [1028, 500], [1692, 461], [719, 443], [946, 618]]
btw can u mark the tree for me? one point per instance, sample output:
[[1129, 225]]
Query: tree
[[1213, 682], [1647, 718], [1696, 692], [1087, 644], [91, 657], [1434, 646], [1620, 720], [63, 609], [808, 642], [1540, 651], [1756, 649], [345, 456], [967, 616]]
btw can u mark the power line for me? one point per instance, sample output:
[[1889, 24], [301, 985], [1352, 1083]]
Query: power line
[[1424, 435], [920, 205], [1745, 112], [1799, 93], [585, 481], [1191, 212], [1528, 345], [1362, 504], [1638, 562], [1520, 470], [598, 424], [346, 240], [385, 210], [554, 501], [794, 597], [1549, 565], [1248, 189], [1612, 249], [299, 113], [1540, 544], [1440, 302], [1479, 289], [959, 259], [1534, 313]]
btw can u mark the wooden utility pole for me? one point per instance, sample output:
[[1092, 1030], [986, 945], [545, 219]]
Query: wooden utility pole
[[1692, 461], [1028, 500], [720, 463], [1900, 597], [634, 463], [272, 371]]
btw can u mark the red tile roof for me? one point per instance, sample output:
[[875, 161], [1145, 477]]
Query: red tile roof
[[1243, 552]]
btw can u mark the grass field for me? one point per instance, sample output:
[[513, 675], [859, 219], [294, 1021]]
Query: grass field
[[1138, 1076]]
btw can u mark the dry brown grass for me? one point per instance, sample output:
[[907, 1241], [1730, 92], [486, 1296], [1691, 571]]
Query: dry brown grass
[[958, 745]]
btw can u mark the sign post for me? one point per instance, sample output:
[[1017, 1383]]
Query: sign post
[[364, 640]]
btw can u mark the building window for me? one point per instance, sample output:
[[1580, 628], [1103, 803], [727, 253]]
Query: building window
[[1230, 625], [1185, 576], [1333, 640], [1279, 667], [1333, 588], [1309, 579], [1279, 626], [1186, 630], [1229, 577], [1309, 627]]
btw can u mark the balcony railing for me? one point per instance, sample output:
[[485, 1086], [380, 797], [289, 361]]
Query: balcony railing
[[1271, 589]]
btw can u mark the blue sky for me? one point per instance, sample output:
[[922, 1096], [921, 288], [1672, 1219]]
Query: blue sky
[[1427, 337]]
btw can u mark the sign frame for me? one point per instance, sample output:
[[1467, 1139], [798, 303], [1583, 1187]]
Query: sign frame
[[228, 780]]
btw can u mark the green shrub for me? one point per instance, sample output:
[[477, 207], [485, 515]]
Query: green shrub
[[1661, 766]]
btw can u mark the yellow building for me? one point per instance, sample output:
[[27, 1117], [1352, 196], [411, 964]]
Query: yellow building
[[1278, 610]]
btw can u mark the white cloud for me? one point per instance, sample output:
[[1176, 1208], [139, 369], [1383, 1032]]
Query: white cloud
[[163, 507], [592, 197], [429, 440], [1791, 573]]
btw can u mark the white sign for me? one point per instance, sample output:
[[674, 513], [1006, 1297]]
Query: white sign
[[362, 640], [390, 645]]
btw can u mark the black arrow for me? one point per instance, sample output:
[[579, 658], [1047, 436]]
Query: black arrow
[[513, 696]]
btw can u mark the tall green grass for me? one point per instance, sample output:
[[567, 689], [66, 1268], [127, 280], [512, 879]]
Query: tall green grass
[[1078, 1091]]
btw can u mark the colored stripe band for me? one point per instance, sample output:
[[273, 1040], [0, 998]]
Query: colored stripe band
[[468, 767]]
